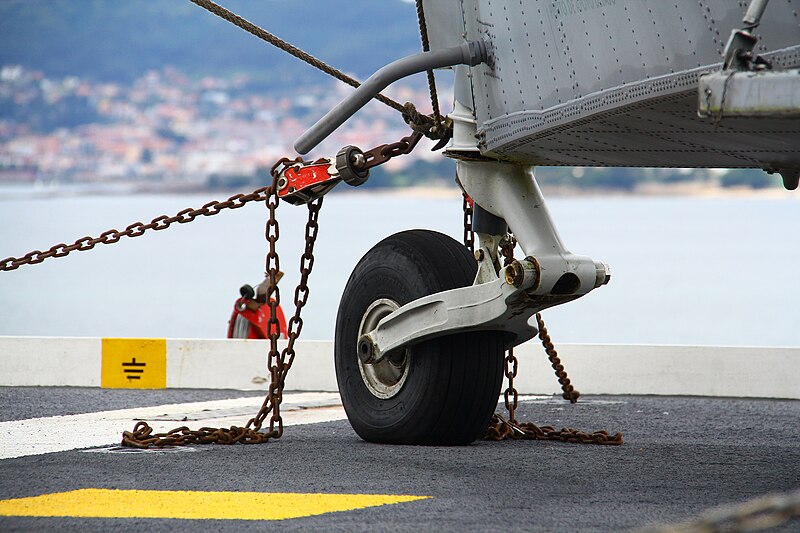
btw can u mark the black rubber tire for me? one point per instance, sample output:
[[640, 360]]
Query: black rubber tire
[[453, 382]]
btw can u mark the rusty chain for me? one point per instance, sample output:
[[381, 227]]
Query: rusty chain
[[569, 392], [500, 428], [135, 230], [383, 153], [765, 512], [469, 234], [510, 395], [279, 362]]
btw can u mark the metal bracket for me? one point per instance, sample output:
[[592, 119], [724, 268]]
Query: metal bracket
[[768, 94], [738, 54], [468, 53]]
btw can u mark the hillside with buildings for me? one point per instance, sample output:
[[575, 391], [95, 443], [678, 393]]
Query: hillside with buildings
[[161, 95]]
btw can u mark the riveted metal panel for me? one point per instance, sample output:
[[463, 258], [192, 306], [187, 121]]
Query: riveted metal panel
[[613, 82], [783, 19], [445, 22]]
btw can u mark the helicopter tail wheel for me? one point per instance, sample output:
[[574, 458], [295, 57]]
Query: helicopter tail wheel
[[442, 391]]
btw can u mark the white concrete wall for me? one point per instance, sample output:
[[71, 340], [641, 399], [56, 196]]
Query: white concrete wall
[[665, 370], [242, 364], [594, 369], [49, 361]]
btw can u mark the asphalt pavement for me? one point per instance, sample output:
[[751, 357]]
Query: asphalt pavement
[[680, 457]]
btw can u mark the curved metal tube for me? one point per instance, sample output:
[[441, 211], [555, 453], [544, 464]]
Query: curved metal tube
[[470, 53]]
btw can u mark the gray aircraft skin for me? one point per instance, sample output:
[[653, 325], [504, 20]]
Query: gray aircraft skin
[[615, 82]]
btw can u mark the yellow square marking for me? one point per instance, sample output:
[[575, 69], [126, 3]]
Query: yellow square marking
[[194, 505], [134, 364]]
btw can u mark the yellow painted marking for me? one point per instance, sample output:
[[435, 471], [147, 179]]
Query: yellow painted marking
[[195, 505], [134, 364]]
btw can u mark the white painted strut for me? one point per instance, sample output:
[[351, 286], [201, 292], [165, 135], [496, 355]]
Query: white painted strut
[[498, 305], [548, 276], [510, 192]]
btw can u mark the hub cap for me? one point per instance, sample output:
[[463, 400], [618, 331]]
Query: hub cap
[[385, 378]]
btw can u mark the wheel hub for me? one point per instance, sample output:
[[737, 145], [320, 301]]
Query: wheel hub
[[385, 378]]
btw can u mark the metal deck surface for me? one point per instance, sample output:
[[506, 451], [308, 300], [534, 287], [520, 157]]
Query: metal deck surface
[[681, 456]]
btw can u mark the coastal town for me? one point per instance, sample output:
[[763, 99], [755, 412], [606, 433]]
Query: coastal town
[[169, 131]]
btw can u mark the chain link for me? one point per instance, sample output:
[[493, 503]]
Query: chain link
[[136, 229], [510, 395], [569, 392], [469, 233], [383, 153], [279, 362], [501, 429]]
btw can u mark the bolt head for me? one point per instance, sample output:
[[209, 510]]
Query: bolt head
[[514, 274], [365, 350], [358, 160]]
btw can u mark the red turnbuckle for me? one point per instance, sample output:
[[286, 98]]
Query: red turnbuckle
[[300, 182]]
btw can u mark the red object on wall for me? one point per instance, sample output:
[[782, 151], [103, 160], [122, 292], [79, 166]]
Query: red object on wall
[[249, 323]]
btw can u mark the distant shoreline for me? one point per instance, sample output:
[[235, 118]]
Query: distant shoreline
[[683, 189], [699, 190]]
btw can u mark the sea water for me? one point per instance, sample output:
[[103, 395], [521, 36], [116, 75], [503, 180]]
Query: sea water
[[686, 270]]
